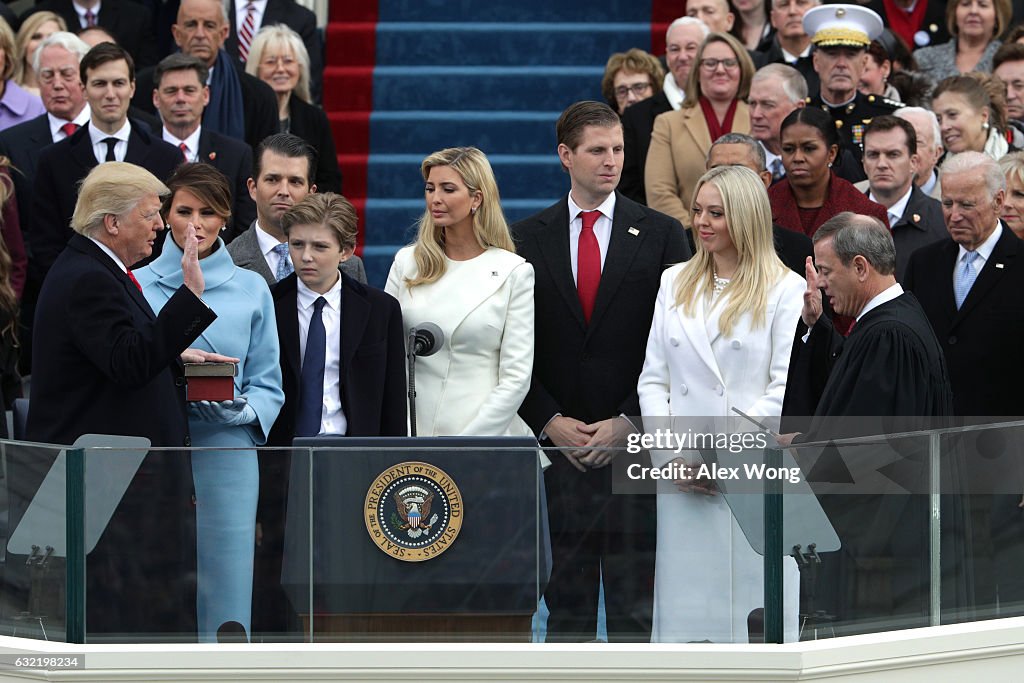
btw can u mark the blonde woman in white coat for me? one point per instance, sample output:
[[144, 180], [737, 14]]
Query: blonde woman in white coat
[[462, 274], [721, 337]]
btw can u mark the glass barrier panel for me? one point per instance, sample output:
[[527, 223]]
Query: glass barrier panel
[[33, 587]]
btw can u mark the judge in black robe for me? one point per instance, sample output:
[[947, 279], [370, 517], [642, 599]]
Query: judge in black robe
[[890, 374]]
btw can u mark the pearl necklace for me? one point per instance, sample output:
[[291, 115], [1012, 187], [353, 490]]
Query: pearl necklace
[[720, 283]]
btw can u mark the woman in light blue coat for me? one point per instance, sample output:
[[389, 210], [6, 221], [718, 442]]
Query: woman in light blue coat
[[226, 482]]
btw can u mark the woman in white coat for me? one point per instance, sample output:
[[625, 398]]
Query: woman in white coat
[[721, 337], [463, 274]]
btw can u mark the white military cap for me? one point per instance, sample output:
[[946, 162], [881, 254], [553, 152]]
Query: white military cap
[[842, 25]]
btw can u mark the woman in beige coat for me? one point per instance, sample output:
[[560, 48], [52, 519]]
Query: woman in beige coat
[[714, 106]]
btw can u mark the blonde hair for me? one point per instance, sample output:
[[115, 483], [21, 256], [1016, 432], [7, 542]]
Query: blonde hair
[[12, 64], [748, 216], [489, 226], [1012, 166], [280, 36], [28, 27], [112, 188], [634, 61], [693, 92]]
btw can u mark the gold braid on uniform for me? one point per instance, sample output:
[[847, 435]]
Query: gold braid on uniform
[[837, 36]]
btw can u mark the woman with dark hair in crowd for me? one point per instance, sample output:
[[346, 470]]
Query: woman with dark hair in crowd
[[975, 26], [630, 77], [811, 192], [971, 110], [874, 80], [751, 27], [226, 482]]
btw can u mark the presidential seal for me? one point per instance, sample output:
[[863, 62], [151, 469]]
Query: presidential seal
[[413, 511]]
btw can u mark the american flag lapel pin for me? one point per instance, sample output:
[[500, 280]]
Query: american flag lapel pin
[[999, 265], [633, 231], [213, 156]]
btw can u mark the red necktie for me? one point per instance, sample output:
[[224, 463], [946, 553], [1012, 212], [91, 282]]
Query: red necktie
[[588, 264], [134, 281], [69, 128], [184, 151]]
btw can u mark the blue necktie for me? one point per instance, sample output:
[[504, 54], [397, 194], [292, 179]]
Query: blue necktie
[[284, 264], [311, 380], [777, 169], [965, 277]]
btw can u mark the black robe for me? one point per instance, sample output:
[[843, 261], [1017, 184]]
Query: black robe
[[891, 372]]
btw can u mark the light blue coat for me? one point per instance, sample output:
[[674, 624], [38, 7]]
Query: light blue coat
[[226, 482]]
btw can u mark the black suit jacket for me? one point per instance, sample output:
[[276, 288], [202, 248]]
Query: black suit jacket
[[299, 19], [372, 360], [981, 339], [637, 124], [773, 55], [22, 144], [260, 103], [310, 123], [129, 22], [62, 165], [590, 372], [233, 158], [105, 364], [792, 248], [922, 223]]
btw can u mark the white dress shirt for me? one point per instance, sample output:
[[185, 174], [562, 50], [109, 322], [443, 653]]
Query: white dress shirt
[[267, 243], [791, 58], [769, 159], [191, 143], [241, 9], [80, 11], [83, 118], [602, 230], [332, 420], [984, 251], [109, 252], [99, 148], [882, 297], [897, 210], [928, 186]]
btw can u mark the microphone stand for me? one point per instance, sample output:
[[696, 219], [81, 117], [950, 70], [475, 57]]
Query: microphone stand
[[410, 355]]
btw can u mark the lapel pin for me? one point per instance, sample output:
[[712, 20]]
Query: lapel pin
[[917, 218], [633, 231], [999, 265], [213, 155]]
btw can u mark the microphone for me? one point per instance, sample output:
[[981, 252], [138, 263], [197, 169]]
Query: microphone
[[427, 338]]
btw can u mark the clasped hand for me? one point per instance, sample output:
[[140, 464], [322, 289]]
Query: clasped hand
[[588, 445], [231, 413]]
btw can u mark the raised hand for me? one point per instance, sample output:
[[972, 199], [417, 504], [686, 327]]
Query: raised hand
[[812, 295], [190, 269]]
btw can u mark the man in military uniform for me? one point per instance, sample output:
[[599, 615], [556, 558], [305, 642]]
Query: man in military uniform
[[840, 35]]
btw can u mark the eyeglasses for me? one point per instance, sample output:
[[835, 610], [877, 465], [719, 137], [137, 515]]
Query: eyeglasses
[[638, 89], [67, 74], [273, 61], [710, 63]]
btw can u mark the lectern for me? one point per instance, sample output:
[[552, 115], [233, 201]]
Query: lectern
[[428, 539]]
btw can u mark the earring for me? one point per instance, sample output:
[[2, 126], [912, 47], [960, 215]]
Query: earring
[[984, 126], [472, 210], [830, 164]]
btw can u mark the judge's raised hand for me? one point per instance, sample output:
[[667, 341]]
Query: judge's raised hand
[[190, 269], [812, 295]]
